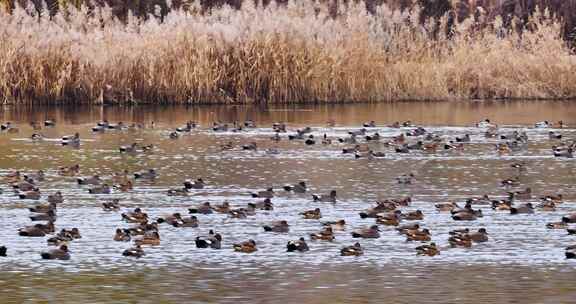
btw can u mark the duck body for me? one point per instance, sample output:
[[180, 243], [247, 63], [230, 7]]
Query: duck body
[[354, 250], [61, 253], [297, 245]]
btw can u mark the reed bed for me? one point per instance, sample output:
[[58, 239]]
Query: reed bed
[[301, 51]]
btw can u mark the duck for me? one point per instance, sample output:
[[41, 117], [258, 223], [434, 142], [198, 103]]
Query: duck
[[466, 216], [173, 135], [552, 135], [326, 198], [61, 253], [413, 215], [484, 124], [542, 124], [428, 249], [69, 171], [189, 222], [118, 126], [373, 232], [122, 235], [38, 230], [557, 225], [522, 209], [268, 193], [480, 236], [104, 189], [188, 127], [570, 252], [245, 247], [338, 225], [465, 138], [510, 182], [505, 204], [170, 219], [300, 187], [136, 252], [43, 208], [408, 228], [547, 206], [405, 179], [312, 214], [570, 218], [374, 137], [213, 240], [92, 180], [460, 240], [150, 174], [568, 153], [152, 239], [354, 250], [525, 194], [124, 186], [377, 154], [27, 185], [133, 148], [444, 207], [250, 147], [222, 208], [389, 219], [278, 226], [297, 245], [205, 208], [114, 205], [177, 192], [3, 251], [326, 234], [71, 139], [420, 236], [50, 215], [227, 146], [197, 184], [133, 218], [556, 199], [30, 195], [369, 124]]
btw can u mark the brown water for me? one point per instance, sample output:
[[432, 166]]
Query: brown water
[[522, 263]]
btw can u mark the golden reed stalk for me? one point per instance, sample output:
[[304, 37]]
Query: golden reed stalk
[[299, 52]]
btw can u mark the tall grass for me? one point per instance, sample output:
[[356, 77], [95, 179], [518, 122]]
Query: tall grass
[[299, 52]]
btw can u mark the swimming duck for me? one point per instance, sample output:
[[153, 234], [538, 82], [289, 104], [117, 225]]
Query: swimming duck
[[139, 218], [278, 226], [377, 154], [197, 184], [61, 253], [213, 240], [26, 185], [465, 138], [413, 215], [428, 249], [408, 228], [50, 216], [510, 182], [222, 208], [71, 139], [570, 252], [3, 251], [276, 137], [250, 147], [327, 234], [122, 235], [6, 126], [246, 247], [557, 225], [570, 218], [556, 199], [189, 222], [297, 245], [354, 250], [227, 146], [466, 216], [389, 219], [300, 187], [38, 230], [568, 153], [480, 236], [133, 148], [30, 195], [418, 235], [338, 225], [370, 124], [92, 180], [547, 206], [135, 252], [188, 127], [553, 135], [69, 171], [205, 208], [119, 126], [64, 236], [522, 209], [268, 193], [373, 232], [542, 124], [505, 204], [177, 192], [405, 179], [460, 240], [43, 208], [484, 124], [114, 205], [150, 174], [170, 219], [312, 214], [152, 239], [104, 189], [55, 198], [125, 186], [525, 194], [279, 127], [327, 198]]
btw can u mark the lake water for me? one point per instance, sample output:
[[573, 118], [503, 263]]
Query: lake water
[[522, 263]]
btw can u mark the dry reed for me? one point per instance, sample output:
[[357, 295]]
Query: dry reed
[[298, 52]]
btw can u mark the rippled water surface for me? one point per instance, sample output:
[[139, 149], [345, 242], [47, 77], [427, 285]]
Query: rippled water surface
[[522, 263]]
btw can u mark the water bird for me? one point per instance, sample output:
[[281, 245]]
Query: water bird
[[3, 251], [204, 208], [327, 198], [49, 123], [187, 222], [418, 235], [152, 239], [197, 184], [91, 180], [297, 245], [49, 216], [246, 247], [103, 189], [312, 214], [522, 209], [354, 250], [170, 219], [268, 193], [30, 195], [338, 225], [300, 187], [373, 232], [43, 208], [553, 135], [122, 235], [557, 225], [278, 226], [405, 179], [71, 139], [413, 215], [542, 124], [524, 194], [428, 249], [326, 234], [61, 253], [136, 252], [149, 174], [370, 124]]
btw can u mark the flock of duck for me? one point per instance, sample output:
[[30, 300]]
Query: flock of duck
[[145, 230]]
